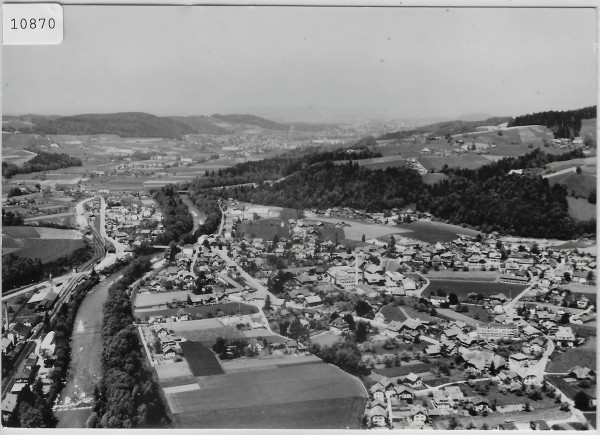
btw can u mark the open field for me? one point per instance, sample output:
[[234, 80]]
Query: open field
[[404, 370], [581, 209], [589, 290], [432, 232], [583, 163], [473, 275], [466, 161], [207, 336], [463, 288], [275, 398], [47, 244], [17, 157], [201, 359], [562, 362], [264, 229], [577, 184], [176, 370], [19, 141], [588, 128], [338, 413], [356, 229], [378, 162]]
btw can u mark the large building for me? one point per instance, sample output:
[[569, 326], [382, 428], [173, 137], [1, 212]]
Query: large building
[[496, 330], [343, 276]]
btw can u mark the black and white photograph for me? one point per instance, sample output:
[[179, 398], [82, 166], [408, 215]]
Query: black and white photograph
[[299, 217]]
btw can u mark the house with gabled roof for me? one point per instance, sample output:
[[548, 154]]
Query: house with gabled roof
[[413, 380], [377, 414], [419, 415]]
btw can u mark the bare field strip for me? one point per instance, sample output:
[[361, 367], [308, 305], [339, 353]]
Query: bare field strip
[[239, 365], [173, 370], [462, 275]]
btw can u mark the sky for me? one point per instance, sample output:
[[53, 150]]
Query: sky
[[308, 62]]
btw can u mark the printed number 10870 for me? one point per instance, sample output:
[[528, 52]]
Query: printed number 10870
[[33, 23]]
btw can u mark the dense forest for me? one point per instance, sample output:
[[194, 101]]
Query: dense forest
[[123, 124], [565, 124], [177, 220], [10, 218], [445, 128], [127, 396], [18, 271], [277, 167], [487, 198], [42, 162]]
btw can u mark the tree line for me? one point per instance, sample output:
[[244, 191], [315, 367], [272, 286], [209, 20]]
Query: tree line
[[127, 395], [44, 161], [177, 220], [18, 271], [565, 124], [34, 408], [281, 166], [122, 124]]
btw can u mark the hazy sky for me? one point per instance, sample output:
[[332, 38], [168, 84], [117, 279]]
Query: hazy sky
[[393, 62]]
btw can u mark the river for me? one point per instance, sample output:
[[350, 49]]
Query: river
[[86, 351]]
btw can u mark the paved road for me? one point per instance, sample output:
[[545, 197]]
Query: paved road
[[86, 351], [512, 303]]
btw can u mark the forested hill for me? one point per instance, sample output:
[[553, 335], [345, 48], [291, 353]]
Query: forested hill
[[487, 198], [277, 167], [445, 128], [565, 124], [131, 124]]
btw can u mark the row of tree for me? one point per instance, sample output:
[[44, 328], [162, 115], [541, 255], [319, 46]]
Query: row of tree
[[44, 161], [566, 124], [127, 396]]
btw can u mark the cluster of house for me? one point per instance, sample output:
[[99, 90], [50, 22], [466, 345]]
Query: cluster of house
[[34, 202], [388, 217], [131, 220], [15, 335], [38, 365], [518, 263]]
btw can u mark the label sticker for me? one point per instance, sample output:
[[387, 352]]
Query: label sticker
[[32, 23]]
